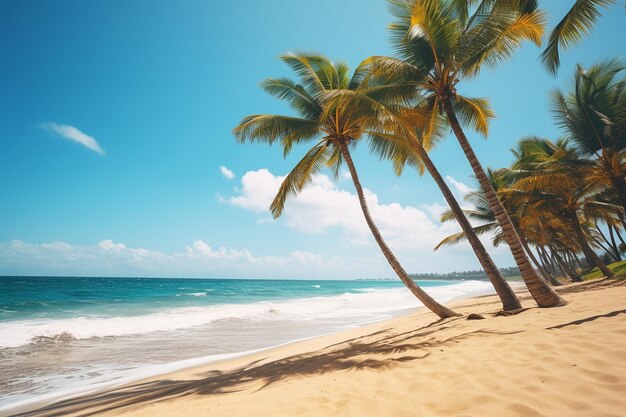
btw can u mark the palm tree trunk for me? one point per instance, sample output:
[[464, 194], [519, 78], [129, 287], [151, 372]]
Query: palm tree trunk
[[566, 268], [614, 243], [619, 236], [604, 248], [528, 250], [547, 265], [503, 289], [427, 300], [542, 293], [584, 245]]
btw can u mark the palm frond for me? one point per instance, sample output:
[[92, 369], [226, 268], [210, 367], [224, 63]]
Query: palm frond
[[270, 128], [459, 237], [313, 161], [474, 112], [574, 26], [308, 67], [294, 94], [497, 37]]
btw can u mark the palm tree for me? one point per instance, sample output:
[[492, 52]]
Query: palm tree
[[593, 115], [574, 26], [552, 176], [403, 146], [335, 128], [481, 213], [439, 43]]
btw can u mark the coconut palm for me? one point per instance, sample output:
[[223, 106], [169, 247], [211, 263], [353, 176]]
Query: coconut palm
[[406, 148], [482, 214], [440, 43], [593, 115], [573, 27], [334, 129], [552, 177]]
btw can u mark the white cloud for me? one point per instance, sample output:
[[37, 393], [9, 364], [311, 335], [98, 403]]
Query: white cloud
[[72, 133], [198, 259], [460, 187], [322, 206], [109, 245], [227, 173]]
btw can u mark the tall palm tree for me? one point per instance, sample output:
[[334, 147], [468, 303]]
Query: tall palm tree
[[404, 146], [573, 27], [593, 115], [439, 43], [335, 128]]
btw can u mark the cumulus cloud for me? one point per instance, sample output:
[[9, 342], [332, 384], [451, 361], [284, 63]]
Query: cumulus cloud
[[227, 173], [459, 186], [322, 206], [198, 259], [71, 133]]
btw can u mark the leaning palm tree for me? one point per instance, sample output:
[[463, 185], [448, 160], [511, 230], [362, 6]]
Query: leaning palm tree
[[552, 177], [487, 224], [401, 142], [573, 27], [593, 115], [440, 43], [334, 128]]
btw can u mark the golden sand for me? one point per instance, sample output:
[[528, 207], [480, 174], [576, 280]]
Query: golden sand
[[567, 361]]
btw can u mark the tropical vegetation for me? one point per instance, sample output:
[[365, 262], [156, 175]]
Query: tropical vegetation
[[559, 204]]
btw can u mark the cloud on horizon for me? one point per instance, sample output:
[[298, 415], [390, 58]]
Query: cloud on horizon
[[199, 259], [71, 133]]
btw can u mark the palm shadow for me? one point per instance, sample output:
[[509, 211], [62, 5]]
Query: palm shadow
[[378, 350]]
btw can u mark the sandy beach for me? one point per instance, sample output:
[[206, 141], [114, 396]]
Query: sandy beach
[[567, 361]]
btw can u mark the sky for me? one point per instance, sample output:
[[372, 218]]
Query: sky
[[117, 158]]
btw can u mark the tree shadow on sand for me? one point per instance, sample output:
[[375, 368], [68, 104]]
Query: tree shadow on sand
[[379, 350]]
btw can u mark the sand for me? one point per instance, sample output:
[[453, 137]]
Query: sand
[[567, 361]]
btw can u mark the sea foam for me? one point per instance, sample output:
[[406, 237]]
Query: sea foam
[[367, 305]]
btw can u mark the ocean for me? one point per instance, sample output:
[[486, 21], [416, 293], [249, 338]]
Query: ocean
[[61, 336]]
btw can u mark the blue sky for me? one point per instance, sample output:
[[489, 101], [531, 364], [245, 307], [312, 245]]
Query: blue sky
[[158, 86]]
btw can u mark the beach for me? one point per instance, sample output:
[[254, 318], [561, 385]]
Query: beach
[[566, 361], [67, 336]]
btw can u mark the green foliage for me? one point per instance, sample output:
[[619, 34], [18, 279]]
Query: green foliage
[[334, 109], [510, 272], [618, 268]]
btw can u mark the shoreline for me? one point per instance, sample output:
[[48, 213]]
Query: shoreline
[[253, 371], [150, 372]]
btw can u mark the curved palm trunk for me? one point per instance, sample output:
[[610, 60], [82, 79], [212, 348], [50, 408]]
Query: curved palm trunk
[[531, 255], [547, 272], [566, 268], [543, 294], [421, 295], [584, 245], [614, 243], [503, 289]]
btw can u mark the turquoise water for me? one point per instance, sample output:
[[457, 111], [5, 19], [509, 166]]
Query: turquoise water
[[60, 336], [58, 297]]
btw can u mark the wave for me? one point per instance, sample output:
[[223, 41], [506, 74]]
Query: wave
[[371, 304], [193, 294]]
